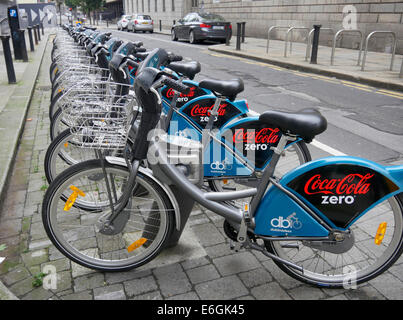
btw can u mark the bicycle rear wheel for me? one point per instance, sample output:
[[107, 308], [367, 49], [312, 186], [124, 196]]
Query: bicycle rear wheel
[[360, 263], [140, 230]]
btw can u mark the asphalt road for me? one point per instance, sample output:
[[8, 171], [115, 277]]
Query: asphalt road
[[362, 121]]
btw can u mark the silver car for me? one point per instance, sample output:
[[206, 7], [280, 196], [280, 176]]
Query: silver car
[[123, 21], [141, 22]]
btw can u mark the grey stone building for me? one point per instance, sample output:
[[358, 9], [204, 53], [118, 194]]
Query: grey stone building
[[259, 15]]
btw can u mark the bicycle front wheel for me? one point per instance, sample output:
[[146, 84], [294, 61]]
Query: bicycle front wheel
[[139, 231], [361, 260]]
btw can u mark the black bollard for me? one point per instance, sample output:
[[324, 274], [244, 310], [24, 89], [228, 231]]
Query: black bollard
[[35, 34], [43, 31], [9, 59], [23, 46], [174, 22], [38, 32], [243, 31], [107, 23], [315, 43], [160, 26], [238, 35], [31, 41]]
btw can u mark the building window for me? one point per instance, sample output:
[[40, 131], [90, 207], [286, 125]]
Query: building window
[[173, 5], [137, 5], [142, 6], [163, 5], [156, 9], [195, 3]]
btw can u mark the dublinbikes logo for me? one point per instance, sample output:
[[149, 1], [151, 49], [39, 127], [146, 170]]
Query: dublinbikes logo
[[285, 224], [338, 191]]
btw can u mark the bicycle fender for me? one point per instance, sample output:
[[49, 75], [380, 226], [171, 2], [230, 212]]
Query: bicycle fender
[[147, 172], [341, 189]]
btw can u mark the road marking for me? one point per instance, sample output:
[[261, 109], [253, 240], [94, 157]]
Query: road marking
[[391, 92], [363, 89], [327, 148]]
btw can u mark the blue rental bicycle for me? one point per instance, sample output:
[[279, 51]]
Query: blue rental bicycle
[[325, 222]]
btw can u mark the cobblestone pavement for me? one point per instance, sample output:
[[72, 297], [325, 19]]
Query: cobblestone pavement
[[217, 273]]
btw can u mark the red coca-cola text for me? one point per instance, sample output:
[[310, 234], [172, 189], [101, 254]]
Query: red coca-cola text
[[351, 184], [265, 135], [198, 110]]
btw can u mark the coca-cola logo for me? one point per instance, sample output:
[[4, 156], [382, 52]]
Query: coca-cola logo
[[202, 111], [265, 135], [351, 184], [170, 93]]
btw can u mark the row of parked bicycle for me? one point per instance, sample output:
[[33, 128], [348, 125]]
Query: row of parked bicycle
[[121, 191]]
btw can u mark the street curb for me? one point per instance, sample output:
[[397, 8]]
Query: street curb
[[311, 69], [30, 77]]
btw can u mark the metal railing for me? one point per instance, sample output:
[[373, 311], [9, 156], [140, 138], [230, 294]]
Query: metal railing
[[309, 41], [268, 34], [340, 32], [366, 47], [290, 30]]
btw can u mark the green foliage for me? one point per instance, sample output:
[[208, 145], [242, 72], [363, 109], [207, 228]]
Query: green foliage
[[38, 279], [3, 247]]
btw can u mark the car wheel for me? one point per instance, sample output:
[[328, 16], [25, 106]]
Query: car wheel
[[192, 38], [173, 35]]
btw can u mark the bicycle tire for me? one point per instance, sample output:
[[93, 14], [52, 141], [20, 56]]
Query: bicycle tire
[[338, 282], [49, 217]]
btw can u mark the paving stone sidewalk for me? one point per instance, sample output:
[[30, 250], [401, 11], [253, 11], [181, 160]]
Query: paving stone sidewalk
[[217, 274]]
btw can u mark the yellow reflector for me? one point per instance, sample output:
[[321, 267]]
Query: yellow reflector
[[70, 201], [380, 233], [136, 244], [66, 144]]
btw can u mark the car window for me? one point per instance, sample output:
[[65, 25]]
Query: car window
[[211, 17], [186, 18], [144, 17], [193, 17]]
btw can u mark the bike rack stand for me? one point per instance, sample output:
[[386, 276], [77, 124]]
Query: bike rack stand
[[366, 47], [290, 30], [268, 34], [309, 41], [335, 40]]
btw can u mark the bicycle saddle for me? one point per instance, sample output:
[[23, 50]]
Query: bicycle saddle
[[189, 69], [141, 55], [228, 88], [306, 123]]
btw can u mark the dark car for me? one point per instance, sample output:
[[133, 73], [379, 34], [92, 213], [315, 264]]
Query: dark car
[[201, 26]]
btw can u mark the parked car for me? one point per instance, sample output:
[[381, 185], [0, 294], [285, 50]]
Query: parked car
[[123, 21], [141, 22], [201, 26]]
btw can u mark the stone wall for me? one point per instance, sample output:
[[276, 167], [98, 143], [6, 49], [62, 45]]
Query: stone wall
[[261, 14], [371, 15]]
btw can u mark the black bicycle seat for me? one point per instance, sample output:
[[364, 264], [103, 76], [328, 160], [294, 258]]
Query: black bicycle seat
[[306, 123], [141, 55], [228, 88], [189, 69]]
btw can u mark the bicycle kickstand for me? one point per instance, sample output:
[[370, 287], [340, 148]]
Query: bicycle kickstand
[[242, 239]]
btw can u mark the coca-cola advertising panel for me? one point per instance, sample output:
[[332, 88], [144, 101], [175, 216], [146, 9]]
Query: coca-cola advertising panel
[[199, 112], [342, 191], [253, 139], [195, 91]]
